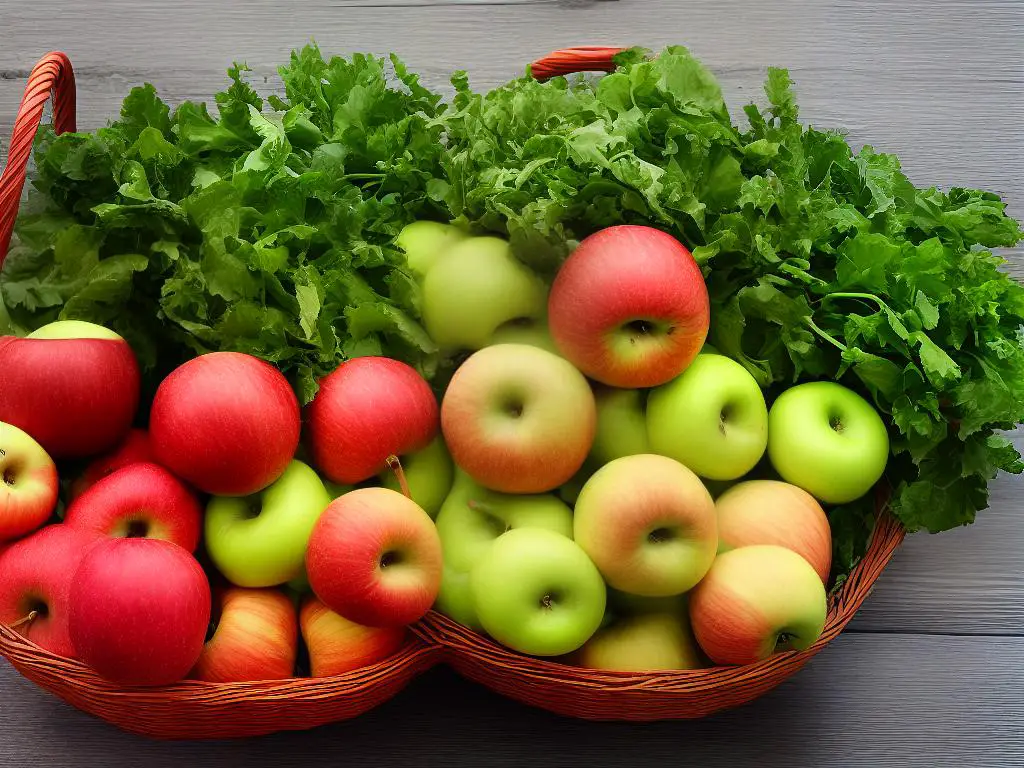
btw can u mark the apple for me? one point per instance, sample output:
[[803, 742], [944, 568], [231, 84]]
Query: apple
[[367, 411], [134, 449], [757, 600], [534, 333], [73, 386], [646, 642], [140, 609], [621, 425], [625, 605], [426, 242], [337, 645], [773, 512], [476, 288], [428, 473], [256, 638], [261, 540], [28, 483], [648, 523], [35, 577], [518, 419], [537, 592], [828, 440], [139, 500], [712, 418], [226, 422], [375, 558], [629, 307], [470, 520]]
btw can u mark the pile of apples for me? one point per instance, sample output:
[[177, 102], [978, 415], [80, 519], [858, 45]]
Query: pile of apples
[[559, 495]]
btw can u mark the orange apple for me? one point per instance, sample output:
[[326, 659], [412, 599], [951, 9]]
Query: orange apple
[[337, 645]]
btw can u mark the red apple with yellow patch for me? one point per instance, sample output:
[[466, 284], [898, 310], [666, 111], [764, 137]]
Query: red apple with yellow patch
[[28, 483], [337, 645]]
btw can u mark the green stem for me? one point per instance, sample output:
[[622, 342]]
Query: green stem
[[865, 296], [824, 334]]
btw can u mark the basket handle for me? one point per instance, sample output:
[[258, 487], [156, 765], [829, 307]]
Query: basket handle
[[53, 74], [587, 58]]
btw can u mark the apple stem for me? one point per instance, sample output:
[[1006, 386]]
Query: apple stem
[[395, 465], [25, 619]]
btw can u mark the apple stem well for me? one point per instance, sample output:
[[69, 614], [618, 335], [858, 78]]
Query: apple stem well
[[395, 465]]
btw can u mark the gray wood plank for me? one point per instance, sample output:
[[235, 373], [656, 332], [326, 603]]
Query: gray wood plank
[[867, 700]]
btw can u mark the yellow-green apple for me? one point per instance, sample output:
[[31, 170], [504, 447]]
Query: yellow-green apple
[[648, 523], [140, 609], [535, 333], [367, 411], [470, 520], [518, 419], [428, 474], [773, 512], [425, 242], [73, 386], [477, 287], [134, 449], [337, 645], [139, 500], [255, 637], [226, 422], [375, 558], [828, 440], [621, 425], [537, 592], [629, 307], [28, 483], [712, 418], [646, 642], [35, 577], [261, 540], [755, 601]]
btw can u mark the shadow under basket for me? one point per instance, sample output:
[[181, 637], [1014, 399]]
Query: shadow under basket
[[198, 710]]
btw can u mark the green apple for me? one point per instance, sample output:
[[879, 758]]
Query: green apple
[[538, 593], [569, 491], [828, 440], [621, 425], [476, 288], [624, 604], [643, 643], [534, 333], [261, 540], [428, 473], [712, 418], [426, 242], [336, 490]]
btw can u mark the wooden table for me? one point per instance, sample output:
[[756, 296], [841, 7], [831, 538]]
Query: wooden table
[[932, 671]]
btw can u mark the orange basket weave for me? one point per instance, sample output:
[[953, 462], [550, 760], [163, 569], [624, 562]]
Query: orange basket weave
[[199, 710]]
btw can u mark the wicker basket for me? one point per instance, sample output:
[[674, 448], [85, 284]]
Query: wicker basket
[[197, 710]]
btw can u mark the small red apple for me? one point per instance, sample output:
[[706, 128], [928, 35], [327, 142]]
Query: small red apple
[[139, 500], [337, 645], [375, 558], [73, 386], [134, 449], [256, 638], [35, 578], [140, 609], [367, 410], [28, 483], [629, 307], [226, 422]]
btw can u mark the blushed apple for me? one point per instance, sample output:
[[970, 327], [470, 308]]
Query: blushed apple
[[518, 419], [73, 386], [629, 307], [28, 483], [337, 645]]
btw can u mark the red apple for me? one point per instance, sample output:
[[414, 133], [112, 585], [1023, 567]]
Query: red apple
[[140, 500], [337, 645], [629, 307], [28, 483], [134, 449], [773, 512], [375, 558], [140, 609], [367, 410], [35, 578], [256, 638], [226, 422], [518, 419], [73, 386]]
